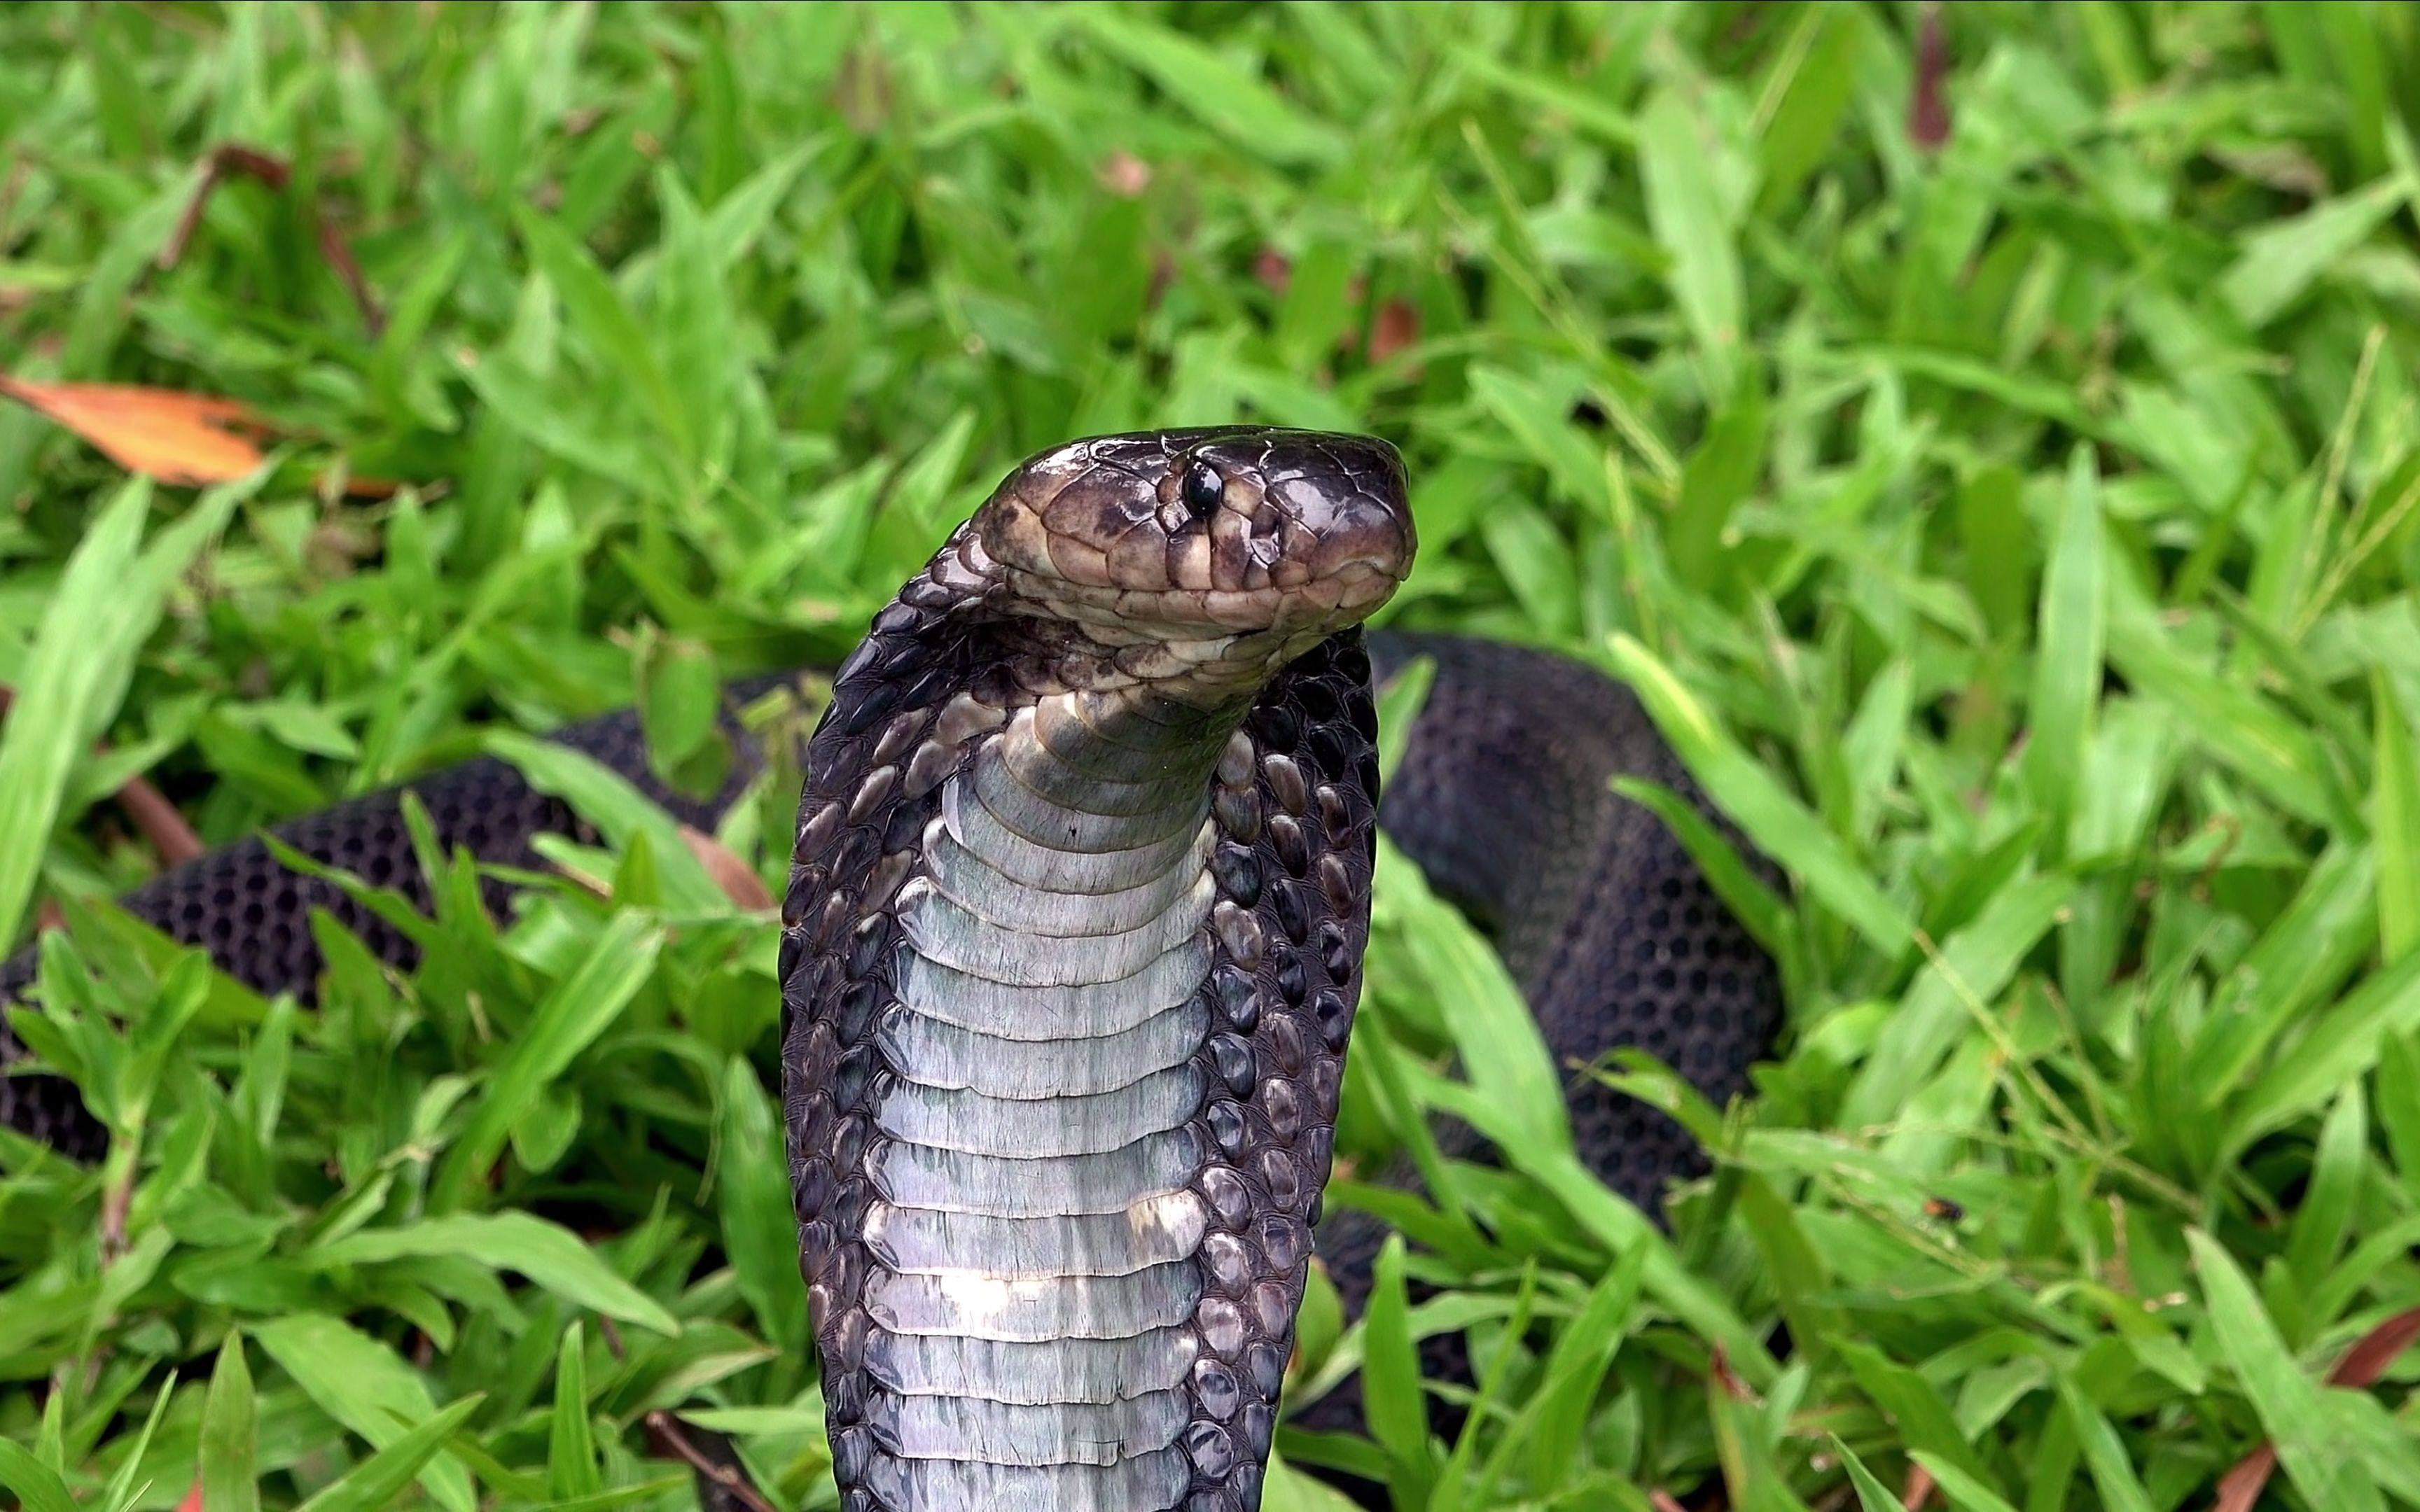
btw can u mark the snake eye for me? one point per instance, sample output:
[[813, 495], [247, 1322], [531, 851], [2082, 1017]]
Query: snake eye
[[1201, 488]]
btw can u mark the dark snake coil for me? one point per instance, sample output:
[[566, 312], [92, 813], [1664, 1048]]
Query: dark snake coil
[[1502, 798]]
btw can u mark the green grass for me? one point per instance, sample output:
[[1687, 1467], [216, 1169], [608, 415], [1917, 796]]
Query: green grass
[[2017, 538]]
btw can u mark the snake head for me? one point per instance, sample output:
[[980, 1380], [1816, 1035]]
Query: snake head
[[1252, 540]]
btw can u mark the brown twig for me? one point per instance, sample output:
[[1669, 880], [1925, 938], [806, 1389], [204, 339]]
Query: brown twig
[[224, 160], [160, 821], [1920, 1489], [664, 1432], [116, 1200], [2361, 1366], [339, 253], [228, 160], [1927, 113]]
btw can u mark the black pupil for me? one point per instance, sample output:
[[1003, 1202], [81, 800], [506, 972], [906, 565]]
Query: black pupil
[[1202, 488]]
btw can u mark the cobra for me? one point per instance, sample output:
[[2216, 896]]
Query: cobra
[[1072, 948]]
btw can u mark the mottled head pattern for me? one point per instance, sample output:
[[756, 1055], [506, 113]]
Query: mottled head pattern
[[1239, 546], [1076, 917]]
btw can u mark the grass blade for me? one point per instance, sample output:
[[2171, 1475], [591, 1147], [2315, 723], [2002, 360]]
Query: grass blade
[[549, 1254], [2288, 1403], [365, 1386], [106, 604], [1781, 826], [598, 309], [229, 1434], [37, 1486], [1229, 100], [760, 1229], [2066, 665], [2395, 819], [1872, 1495], [1390, 1380], [571, 1448], [377, 1481]]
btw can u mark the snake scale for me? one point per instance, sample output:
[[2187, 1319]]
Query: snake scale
[[1071, 953]]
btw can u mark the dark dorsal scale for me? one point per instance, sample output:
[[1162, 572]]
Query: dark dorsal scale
[[1283, 1005]]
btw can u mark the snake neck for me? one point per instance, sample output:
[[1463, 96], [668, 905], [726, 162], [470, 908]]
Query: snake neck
[[1035, 1248], [1071, 961]]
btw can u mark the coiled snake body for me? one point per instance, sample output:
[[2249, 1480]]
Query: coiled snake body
[[1071, 953]]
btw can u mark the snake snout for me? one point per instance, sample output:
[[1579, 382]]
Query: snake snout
[[1333, 517], [1237, 530]]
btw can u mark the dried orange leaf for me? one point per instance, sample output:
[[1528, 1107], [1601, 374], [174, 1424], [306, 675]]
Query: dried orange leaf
[[188, 439], [731, 873], [1397, 326], [2374, 1350]]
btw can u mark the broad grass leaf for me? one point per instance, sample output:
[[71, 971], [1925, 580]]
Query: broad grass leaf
[[1744, 1445], [1963, 1492], [2397, 1096], [1816, 96], [1719, 475], [615, 806], [2280, 261], [2273, 751], [2288, 1403], [551, 1255], [2395, 819], [1912, 1406], [1616, 1226], [1761, 911], [741, 216], [1872, 1495], [1502, 1050], [1781, 826], [1974, 966], [2105, 1452], [1686, 215], [2342, 1042], [1536, 421], [120, 1494], [230, 1434], [1390, 1379], [571, 1447], [580, 1008], [37, 1486], [1208, 83], [752, 1194], [694, 317], [1399, 699], [365, 1386], [679, 694], [2067, 661], [2305, 954], [1287, 1489], [1537, 562], [2325, 1217], [105, 606], [596, 309], [376, 1482], [1576, 1369]]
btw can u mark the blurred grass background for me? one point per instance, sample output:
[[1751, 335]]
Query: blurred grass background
[[1986, 438]]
